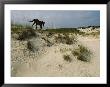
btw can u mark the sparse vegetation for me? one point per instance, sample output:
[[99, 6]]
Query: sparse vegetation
[[63, 50], [82, 53], [31, 46], [67, 58], [95, 34], [65, 39], [76, 52], [50, 34], [60, 66], [27, 34], [68, 40], [49, 44], [58, 45], [63, 30], [16, 28], [23, 31]]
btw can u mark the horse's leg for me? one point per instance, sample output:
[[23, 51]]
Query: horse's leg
[[41, 26], [36, 26], [33, 23]]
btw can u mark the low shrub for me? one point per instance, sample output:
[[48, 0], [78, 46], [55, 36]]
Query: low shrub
[[31, 46], [27, 34], [82, 53], [67, 58]]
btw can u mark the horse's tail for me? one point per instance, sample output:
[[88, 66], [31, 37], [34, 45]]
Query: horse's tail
[[31, 21]]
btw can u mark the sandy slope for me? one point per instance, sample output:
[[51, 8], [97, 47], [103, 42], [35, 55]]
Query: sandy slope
[[50, 61]]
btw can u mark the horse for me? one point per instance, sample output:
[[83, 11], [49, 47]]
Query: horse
[[38, 22]]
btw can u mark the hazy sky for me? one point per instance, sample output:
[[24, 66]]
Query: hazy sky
[[57, 18]]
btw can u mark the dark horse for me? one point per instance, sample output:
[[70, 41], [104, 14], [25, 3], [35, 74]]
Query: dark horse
[[37, 22]]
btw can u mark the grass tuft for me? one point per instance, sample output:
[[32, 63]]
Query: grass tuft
[[67, 58]]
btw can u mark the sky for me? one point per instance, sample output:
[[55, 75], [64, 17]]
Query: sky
[[57, 18]]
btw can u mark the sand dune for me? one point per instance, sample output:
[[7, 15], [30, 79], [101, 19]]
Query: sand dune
[[48, 60]]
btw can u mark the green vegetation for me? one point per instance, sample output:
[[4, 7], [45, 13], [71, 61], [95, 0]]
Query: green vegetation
[[17, 28], [24, 30], [63, 30], [82, 53]]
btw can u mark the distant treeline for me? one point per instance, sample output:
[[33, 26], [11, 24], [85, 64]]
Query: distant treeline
[[93, 27]]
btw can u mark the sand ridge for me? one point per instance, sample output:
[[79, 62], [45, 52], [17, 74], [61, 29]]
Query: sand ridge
[[49, 61]]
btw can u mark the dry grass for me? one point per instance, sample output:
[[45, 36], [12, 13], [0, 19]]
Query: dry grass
[[63, 50], [27, 34], [65, 39]]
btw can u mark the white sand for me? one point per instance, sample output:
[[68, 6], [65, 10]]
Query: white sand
[[50, 61]]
